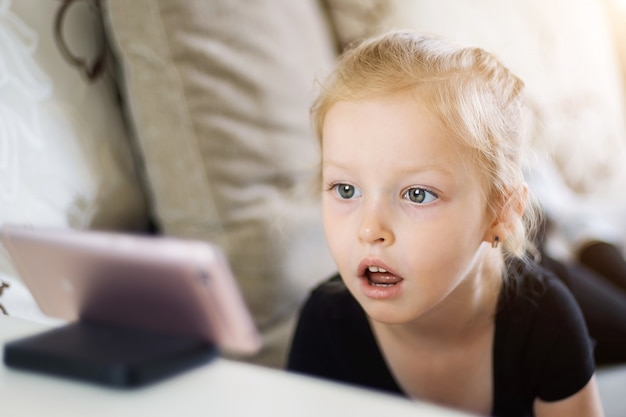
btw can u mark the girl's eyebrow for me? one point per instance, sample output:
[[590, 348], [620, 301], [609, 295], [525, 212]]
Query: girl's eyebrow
[[427, 168], [408, 170], [331, 163]]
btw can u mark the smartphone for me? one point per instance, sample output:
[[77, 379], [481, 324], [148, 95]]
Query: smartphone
[[161, 284]]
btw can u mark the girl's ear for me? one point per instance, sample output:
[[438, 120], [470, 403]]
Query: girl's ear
[[507, 214]]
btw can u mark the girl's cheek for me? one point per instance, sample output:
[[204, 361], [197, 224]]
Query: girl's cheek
[[333, 206], [422, 213]]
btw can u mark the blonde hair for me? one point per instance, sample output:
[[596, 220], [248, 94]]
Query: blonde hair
[[470, 94]]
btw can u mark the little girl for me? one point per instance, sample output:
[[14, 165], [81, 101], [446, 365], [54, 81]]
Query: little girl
[[426, 214]]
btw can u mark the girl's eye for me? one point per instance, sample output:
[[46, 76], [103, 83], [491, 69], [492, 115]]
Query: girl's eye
[[420, 195], [347, 191]]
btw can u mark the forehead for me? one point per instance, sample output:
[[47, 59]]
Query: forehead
[[395, 133], [398, 125]]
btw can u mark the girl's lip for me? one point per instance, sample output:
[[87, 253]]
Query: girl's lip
[[366, 263], [378, 292]]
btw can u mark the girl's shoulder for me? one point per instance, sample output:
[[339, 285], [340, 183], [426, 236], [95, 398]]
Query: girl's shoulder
[[529, 285], [540, 329], [535, 297]]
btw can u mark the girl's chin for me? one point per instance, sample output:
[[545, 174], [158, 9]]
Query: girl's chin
[[385, 315]]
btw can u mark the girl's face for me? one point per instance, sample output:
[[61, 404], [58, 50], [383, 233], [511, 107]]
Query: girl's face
[[403, 212]]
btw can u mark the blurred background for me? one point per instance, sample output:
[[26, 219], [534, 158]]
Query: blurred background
[[190, 118]]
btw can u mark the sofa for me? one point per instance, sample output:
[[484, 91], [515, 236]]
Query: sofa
[[190, 118]]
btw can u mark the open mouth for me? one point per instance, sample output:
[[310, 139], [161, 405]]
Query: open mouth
[[380, 277]]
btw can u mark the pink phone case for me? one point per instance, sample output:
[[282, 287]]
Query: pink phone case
[[168, 285]]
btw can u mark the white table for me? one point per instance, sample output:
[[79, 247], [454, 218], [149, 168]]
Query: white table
[[219, 388]]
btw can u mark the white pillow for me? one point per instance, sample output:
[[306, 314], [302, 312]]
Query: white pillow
[[65, 158]]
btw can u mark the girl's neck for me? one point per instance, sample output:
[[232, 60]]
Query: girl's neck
[[465, 312]]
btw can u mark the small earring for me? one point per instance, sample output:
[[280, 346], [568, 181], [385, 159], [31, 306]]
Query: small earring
[[496, 242]]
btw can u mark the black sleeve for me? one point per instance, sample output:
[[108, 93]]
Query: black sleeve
[[565, 363]]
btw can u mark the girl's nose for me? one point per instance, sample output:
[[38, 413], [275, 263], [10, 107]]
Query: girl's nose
[[375, 226]]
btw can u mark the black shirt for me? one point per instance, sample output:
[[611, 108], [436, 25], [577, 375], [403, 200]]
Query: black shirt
[[541, 346]]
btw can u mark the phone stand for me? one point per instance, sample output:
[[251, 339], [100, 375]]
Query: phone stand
[[107, 354]]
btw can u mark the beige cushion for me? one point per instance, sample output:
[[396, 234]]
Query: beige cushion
[[219, 93], [354, 20]]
